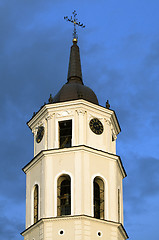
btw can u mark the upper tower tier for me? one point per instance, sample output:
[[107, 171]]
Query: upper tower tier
[[74, 88], [77, 106]]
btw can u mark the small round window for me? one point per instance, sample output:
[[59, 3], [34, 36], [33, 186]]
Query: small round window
[[99, 234], [61, 232]]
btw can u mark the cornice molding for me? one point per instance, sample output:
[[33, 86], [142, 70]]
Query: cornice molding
[[56, 107], [77, 217], [74, 149]]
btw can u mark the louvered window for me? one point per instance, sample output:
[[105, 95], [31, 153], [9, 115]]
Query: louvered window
[[36, 200], [64, 195], [98, 193]]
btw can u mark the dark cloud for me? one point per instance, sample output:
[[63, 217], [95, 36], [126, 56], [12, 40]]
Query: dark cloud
[[141, 196], [142, 183], [13, 158], [11, 219]]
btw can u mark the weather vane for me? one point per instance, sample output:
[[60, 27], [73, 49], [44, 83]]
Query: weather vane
[[74, 21]]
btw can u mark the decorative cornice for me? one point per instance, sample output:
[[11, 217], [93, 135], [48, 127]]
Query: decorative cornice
[[114, 135], [74, 103], [64, 113], [40, 123], [50, 116], [108, 122], [81, 111], [76, 148]]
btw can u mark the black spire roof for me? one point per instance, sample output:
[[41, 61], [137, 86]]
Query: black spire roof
[[74, 88], [74, 69]]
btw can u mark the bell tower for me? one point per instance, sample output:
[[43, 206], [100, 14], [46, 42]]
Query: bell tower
[[74, 181]]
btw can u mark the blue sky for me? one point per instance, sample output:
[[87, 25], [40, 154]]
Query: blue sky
[[120, 61]]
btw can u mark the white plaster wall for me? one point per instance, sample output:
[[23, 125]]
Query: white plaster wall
[[39, 146], [75, 228], [34, 176], [80, 114], [82, 165]]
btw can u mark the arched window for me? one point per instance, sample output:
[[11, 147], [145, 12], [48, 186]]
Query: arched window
[[36, 203], [64, 195], [98, 195]]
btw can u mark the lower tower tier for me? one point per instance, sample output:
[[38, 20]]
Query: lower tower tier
[[75, 228], [74, 181]]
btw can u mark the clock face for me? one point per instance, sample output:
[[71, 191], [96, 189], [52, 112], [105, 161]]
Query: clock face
[[40, 134], [96, 126]]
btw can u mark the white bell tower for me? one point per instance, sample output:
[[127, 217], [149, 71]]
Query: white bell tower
[[74, 182]]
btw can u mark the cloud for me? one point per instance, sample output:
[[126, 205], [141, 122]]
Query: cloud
[[11, 219], [142, 183], [141, 196]]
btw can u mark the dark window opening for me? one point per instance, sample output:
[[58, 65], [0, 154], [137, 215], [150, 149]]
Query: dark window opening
[[113, 139], [64, 195], [118, 205], [36, 203], [65, 132], [98, 198]]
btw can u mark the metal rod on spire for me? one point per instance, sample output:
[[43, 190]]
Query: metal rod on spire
[[74, 21]]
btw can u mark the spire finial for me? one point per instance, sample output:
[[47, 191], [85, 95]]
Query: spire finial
[[74, 21]]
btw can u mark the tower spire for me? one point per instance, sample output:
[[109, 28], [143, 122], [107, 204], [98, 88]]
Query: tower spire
[[74, 69], [74, 88]]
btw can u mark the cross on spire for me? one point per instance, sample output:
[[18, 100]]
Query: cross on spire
[[74, 21]]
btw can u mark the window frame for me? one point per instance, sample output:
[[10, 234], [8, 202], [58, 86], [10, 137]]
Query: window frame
[[69, 136], [36, 217], [100, 213], [66, 197]]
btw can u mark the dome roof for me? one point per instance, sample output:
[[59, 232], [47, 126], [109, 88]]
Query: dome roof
[[74, 88], [74, 91]]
